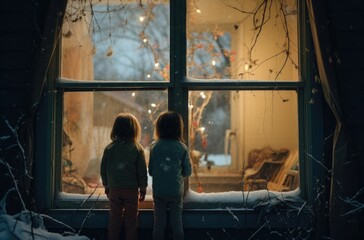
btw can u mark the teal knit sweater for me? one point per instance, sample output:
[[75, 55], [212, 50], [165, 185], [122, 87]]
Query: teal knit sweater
[[169, 164]]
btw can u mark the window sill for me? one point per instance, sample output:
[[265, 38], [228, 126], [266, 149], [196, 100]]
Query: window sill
[[193, 200], [216, 210]]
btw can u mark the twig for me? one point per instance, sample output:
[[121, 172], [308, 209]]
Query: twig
[[15, 183], [88, 214], [15, 134], [90, 195], [257, 231]]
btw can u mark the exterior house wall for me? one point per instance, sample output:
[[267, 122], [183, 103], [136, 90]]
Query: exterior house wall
[[346, 25]]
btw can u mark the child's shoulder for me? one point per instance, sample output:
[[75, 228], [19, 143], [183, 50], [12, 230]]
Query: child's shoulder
[[139, 146], [184, 146], [117, 143], [164, 141], [110, 145]]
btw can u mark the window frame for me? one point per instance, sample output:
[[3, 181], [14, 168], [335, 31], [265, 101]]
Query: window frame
[[179, 85]]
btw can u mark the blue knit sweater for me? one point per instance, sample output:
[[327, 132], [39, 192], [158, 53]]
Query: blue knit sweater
[[169, 164]]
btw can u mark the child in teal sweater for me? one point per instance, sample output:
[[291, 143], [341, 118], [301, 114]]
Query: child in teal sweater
[[169, 164], [124, 176]]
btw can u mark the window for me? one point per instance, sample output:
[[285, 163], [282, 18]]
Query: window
[[231, 68]]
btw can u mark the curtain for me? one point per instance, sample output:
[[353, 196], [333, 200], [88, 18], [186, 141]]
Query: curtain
[[49, 24], [321, 40]]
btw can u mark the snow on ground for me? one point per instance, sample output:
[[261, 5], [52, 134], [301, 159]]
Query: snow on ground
[[19, 226], [29, 225]]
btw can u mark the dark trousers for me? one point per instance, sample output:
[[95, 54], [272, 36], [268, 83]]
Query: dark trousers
[[123, 208], [175, 207]]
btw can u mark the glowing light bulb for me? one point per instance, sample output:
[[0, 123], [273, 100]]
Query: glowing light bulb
[[149, 76], [198, 10], [149, 111], [153, 105], [141, 19], [145, 40], [246, 67], [213, 62], [133, 94], [156, 65]]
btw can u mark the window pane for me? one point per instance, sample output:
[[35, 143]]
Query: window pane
[[87, 121], [243, 140], [116, 40], [240, 39]]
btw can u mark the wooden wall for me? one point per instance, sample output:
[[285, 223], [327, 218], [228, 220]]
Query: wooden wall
[[346, 23], [21, 24]]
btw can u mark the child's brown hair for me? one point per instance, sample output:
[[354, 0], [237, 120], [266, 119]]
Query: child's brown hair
[[126, 127], [169, 125]]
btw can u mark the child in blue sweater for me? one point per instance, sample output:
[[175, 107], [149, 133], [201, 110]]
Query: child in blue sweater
[[124, 175], [169, 164]]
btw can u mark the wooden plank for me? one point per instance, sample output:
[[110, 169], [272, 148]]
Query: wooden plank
[[357, 5], [11, 99], [346, 20], [16, 60], [349, 59], [349, 41], [17, 6], [18, 41], [17, 21], [15, 78]]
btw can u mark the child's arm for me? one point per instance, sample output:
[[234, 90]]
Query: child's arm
[[186, 165], [150, 164], [142, 175], [103, 171]]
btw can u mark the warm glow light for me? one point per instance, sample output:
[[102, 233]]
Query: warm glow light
[[141, 19], [198, 10], [246, 67], [213, 62], [156, 65], [133, 94], [153, 105], [149, 111], [145, 40], [149, 76]]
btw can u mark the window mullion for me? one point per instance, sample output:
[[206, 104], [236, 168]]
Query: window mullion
[[76, 85], [177, 95]]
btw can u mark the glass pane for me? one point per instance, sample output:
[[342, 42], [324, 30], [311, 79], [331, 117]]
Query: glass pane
[[116, 40], [242, 39], [87, 121], [243, 140]]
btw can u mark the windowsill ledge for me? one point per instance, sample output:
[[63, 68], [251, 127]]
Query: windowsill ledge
[[242, 200], [206, 210]]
